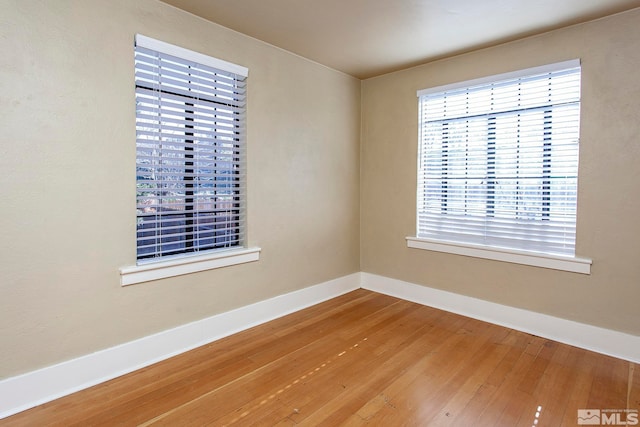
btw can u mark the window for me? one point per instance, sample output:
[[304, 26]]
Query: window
[[498, 161], [190, 146]]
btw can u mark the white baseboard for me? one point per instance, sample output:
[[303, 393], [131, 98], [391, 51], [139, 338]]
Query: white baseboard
[[34, 388], [605, 341]]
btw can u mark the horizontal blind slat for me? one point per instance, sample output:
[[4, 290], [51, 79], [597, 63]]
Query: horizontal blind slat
[[498, 162], [190, 140]]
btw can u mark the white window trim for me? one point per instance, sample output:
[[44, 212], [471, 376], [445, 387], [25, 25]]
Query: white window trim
[[186, 265], [568, 262], [149, 269], [190, 55], [555, 262], [542, 69]]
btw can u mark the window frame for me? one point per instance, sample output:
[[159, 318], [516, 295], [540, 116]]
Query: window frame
[[566, 262], [210, 254]]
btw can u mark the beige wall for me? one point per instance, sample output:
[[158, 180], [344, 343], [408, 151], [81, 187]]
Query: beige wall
[[67, 178], [609, 181]]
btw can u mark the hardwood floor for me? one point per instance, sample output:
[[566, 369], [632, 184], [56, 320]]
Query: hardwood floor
[[362, 358]]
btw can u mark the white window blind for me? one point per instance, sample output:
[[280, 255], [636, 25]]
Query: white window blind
[[498, 161], [190, 151]]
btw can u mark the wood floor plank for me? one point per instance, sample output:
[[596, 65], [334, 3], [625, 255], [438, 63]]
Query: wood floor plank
[[447, 373], [512, 382], [560, 375], [417, 352], [610, 384], [485, 361], [287, 345], [633, 387], [533, 392], [332, 361], [359, 359], [371, 374], [316, 313], [515, 343]]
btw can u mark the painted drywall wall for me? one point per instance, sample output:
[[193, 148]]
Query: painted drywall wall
[[67, 181], [608, 230]]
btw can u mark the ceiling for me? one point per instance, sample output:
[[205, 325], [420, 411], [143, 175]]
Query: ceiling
[[365, 38]]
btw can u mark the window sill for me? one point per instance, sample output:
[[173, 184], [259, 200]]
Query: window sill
[[556, 262], [177, 267]]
